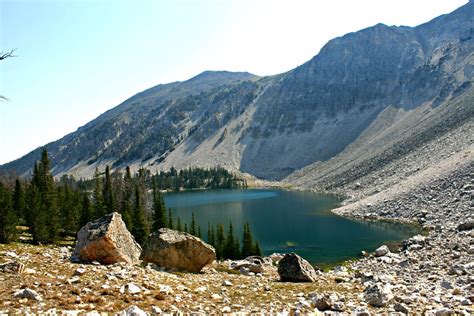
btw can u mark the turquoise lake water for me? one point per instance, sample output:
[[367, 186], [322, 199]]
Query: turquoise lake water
[[287, 221]]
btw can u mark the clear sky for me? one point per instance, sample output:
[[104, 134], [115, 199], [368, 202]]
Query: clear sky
[[78, 58]]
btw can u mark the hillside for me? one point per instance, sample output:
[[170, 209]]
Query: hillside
[[353, 106]]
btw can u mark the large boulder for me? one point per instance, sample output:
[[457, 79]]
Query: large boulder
[[107, 241], [293, 268], [177, 250]]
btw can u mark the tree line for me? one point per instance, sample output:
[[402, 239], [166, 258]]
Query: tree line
[[55, 209]]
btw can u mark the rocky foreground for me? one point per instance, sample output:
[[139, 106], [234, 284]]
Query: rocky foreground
[[431, 274]]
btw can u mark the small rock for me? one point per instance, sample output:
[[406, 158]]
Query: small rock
[[165, 289], [466, 226], [227, 283], [447, 285], [12, 267], [79, 271], [130, 288], [74, 280], [443, 311], [216, 297], [402, 308], [381, 251], [226, 309], [29, 294], [155, 310], [29, 271], [378, 295], [133, 311]]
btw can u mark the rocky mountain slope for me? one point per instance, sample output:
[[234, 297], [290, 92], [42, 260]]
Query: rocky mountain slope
[[367, 99]]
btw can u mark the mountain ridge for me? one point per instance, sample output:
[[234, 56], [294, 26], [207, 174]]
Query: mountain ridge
[[273, 126]]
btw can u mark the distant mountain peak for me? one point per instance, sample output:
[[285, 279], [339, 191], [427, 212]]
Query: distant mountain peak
[[221, 74]]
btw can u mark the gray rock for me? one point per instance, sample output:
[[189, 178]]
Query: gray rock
[[29, 294], [12, 267], [378, 295], [381, 251], [293, 268], [255, 266], [466, 226], [402, 308], [443, 311], [130, 288], [106, 241], [177, 250], [133, 311]]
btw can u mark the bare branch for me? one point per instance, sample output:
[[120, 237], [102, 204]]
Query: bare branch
[[7, 54]]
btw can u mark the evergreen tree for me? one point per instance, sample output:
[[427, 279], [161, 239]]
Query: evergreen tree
[[220, 241], [186, 228], [210, 235], [257, 251], [179, 227], [19, 205], [140, 226], [126, 209], [192, 227], [247, 242], [107, 193], [159, 215], [8, 218], [199, 232], [69, 202], [86, 210], [48, 201], [170, 219], [99, 209], [231, 246]]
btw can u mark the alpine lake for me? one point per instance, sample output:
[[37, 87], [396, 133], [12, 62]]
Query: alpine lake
[[287, 221]]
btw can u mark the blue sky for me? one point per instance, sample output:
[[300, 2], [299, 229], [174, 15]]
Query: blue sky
[[78, 58]]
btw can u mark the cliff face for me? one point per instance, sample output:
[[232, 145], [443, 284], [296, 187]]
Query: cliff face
[[273, 126]]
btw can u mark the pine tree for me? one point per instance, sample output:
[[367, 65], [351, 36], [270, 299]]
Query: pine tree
[[37, 220], [170, 219], [140, 226], [159, 215], [186, 228], [257, 251], [192, 227], [179, 227], [220, 241], [107, 193], [69, 202], [86, 209], [199, 232], [48, 200], [99, 209], [247, 242], [19, 204], [231, 246], [8, 218], [126, 209], [210, 235]]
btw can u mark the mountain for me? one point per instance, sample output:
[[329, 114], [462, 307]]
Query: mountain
[[367, 99]]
